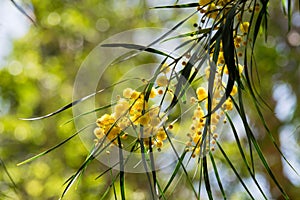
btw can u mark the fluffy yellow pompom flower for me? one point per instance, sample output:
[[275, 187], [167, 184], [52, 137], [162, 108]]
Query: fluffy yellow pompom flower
[[198, 112], [127, 93], [161, 134], [197, 151], [144, 120], [162, 81], [238, 39], [244, 27], [212, 7], [228, 105], [197, 139], [159, 143], [153, 93], [241, 68], [201, 93], [221, 58], [165, 68], [234, 91], [121, 107], [105, 120], [135, 94], [226, 69], [207, 72], [99, 133], [204, 2]]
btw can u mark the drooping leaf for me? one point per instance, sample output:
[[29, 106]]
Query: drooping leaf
[[189, 5], [234, 170], [139, 48], [53, 148], [23, 12]]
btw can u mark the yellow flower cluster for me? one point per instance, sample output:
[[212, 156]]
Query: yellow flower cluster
[[131, 111], [215, 7], [212, 7], [107, 128], [201, 93], [244, 27], [162, 81], [199, 116], [215, 2], [216, 10]]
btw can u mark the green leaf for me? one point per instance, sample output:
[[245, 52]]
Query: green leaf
[[89, 112], [190, 34], [70, 105], [251, 137], [234, 170], [206, 178], [189, 5], [14, 186], [122, 172], [289, 2], [138, 48], [54, 147], [24, 12], [179, 161], [217, 175], [237, 140], [175, 172]]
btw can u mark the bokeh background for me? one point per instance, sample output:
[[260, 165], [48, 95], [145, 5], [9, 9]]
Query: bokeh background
[[37, 72]]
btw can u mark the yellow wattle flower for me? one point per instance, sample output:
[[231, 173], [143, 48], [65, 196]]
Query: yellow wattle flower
[[127, 93], [162, 81], [204, 2], [201, 93], [244, 27], [234, 91], [212, 7]]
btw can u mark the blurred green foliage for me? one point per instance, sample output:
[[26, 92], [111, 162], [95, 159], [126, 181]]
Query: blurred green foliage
[[39, 79]]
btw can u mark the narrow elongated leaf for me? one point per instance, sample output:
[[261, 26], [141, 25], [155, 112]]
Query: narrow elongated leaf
[[189, 5], [14, 186], [229, 55], [289, 2], [162, 194], [23, 12], [190, 34], [175, 172], [262, 14], [180, 162], [161, 37], [152, 165], [217, 174], [122, 172], [234, 170], [53, 148], [283, 3], [186, 75], [144, 161], [79, 172], [262, 158], [263, 121], [138, 47], [251, 137], [70, 105], [237, 140], [206, 178], [89, 112], [112, 185]]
